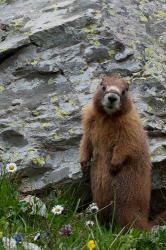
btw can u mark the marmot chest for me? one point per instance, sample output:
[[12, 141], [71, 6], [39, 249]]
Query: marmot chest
[[103, 136]]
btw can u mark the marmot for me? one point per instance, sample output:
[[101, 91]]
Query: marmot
[[116, 142]]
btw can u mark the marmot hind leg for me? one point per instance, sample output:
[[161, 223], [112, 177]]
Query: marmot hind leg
[[129, 218]]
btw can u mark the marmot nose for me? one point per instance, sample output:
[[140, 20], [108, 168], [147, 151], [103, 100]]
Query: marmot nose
[[112, 98]]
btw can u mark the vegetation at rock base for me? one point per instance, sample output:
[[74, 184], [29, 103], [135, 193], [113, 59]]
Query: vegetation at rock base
[[59, 220]]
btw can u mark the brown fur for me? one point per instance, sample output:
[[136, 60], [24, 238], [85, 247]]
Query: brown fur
[[121, 170]]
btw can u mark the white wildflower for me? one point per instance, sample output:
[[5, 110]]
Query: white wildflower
[[89, 223], [11, 168], [93, 208], [58, 209], [37, 236]]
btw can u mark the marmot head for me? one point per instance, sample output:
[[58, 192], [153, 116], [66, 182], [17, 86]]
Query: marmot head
[[112, 95]]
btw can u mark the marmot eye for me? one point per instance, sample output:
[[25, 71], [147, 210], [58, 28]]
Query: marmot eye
[[124, 91], [103, 88]]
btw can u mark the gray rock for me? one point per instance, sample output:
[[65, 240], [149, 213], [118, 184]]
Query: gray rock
[[13, 44], [43, 182], [124, 55], [157, 28], [16, 102], [123, 68], [162, 40], [96, 53], [59, 32]]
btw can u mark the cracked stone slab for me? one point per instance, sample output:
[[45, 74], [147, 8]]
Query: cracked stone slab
[[42, 182], [59, 31], [12, 44]]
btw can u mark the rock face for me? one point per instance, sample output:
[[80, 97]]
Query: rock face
[[52, 56]]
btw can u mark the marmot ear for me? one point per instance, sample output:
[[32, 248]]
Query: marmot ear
[[102, 80], [128, 84], [103, 77]]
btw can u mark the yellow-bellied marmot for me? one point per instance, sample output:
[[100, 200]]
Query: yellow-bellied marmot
[[116, 142]]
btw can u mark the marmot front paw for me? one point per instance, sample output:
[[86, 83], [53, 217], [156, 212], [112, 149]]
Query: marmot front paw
[[116, 161]]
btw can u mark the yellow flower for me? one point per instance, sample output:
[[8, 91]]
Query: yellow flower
[[91, 244], [1, 234]]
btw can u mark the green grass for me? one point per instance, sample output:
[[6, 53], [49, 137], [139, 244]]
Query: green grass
[[13, 220]]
